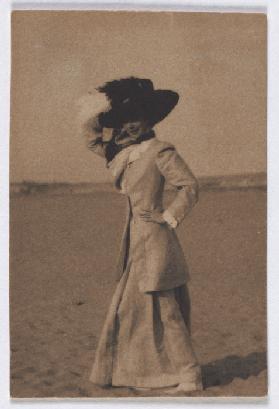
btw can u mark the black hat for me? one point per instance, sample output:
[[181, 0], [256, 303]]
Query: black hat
[[134, 99]]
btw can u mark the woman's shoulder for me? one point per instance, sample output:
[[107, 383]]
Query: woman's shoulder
[[161, 146], [164, 152]]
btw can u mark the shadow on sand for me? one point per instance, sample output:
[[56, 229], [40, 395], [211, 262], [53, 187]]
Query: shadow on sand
[[223, 371]]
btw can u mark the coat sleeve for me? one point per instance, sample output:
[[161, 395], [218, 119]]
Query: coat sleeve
[[93, 134], [178, 175]]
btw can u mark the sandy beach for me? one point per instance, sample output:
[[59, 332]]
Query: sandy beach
[[63, 249]]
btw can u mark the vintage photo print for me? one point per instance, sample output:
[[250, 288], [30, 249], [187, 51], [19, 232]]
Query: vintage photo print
[[138, 204]]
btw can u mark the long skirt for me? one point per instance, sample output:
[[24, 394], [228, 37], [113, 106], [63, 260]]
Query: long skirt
[[145, 340]]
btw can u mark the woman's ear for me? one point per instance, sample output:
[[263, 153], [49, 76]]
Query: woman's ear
[[107, 134]]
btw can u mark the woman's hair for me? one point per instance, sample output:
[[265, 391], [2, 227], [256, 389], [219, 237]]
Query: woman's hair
[[112, 148]]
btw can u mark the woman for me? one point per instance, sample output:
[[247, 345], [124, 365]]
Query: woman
[[145, 341]]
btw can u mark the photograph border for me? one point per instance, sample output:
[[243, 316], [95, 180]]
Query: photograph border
[[270, 7]]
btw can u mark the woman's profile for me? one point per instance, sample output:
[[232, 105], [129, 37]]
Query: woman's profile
[[145, 341]]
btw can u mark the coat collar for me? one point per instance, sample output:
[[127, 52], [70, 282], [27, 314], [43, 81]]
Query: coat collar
[[126, 157], [138, 150]]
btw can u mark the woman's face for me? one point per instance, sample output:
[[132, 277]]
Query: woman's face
[[131, 131]]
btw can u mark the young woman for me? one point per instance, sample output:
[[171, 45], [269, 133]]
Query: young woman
[[145, 341]]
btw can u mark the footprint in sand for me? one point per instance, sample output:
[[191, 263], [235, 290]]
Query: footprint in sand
[[16, 375], [70, 388], [28, 370], [47, 383], [77, 374], [48, 372]]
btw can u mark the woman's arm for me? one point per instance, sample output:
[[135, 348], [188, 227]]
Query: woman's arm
[[179, 175], [90, 109], [93, 134]]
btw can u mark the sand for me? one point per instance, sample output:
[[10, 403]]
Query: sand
[[63, 250]]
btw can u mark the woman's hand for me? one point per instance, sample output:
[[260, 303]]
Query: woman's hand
[[153, 216]]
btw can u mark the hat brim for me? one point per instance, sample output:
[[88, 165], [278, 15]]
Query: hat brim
[[153, 108]]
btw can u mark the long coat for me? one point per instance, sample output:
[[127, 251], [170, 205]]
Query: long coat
[[157, 251]]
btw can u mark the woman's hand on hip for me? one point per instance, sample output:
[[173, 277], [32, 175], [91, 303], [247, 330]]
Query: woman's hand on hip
[[153, 216]]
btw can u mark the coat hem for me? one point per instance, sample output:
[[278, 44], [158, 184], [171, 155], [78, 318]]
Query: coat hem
[[154, 383]]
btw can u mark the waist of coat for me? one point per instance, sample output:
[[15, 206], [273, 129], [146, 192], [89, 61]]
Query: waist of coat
[[135, 213], [139, 203]]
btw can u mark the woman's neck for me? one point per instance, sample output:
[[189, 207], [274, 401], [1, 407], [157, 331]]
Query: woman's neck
[[113, 148]]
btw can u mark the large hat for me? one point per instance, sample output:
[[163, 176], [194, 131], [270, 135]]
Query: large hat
[[134, 99]]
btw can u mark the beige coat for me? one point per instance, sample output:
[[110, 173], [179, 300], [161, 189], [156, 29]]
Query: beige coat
[[154, 247]]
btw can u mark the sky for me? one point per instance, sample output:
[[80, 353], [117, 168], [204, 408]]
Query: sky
[[215, 61]]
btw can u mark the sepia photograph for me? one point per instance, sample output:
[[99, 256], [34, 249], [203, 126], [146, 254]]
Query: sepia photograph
[[138, 193]]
